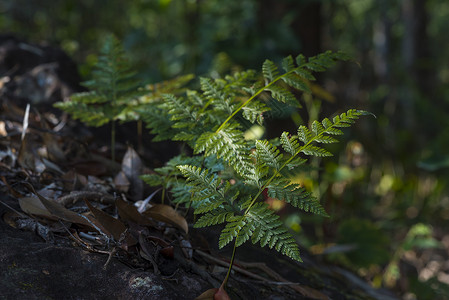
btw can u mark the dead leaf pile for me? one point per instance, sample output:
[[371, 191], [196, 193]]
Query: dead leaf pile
[[64, 189]]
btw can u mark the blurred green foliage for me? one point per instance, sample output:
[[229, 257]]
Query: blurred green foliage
[[393, 173]]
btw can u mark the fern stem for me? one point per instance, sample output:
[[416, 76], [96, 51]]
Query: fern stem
[[231, 263], [254, 96], [113, 140]]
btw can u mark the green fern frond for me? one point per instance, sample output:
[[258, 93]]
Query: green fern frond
[[182, 115], [304, 134], [227, 144], [218, 216], [112, 88], [158, 121], [295, 195], [269, 70], [202, 185], [312, 150], [269, 230], [269, 154], [295, 76], [212, 90], [232, 193], [231, 230], [283, 95], [254, 111], [288, 63], [289, 144], [295, 81], [239, 80]]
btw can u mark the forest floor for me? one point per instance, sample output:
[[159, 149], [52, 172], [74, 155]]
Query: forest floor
[[73, 223]]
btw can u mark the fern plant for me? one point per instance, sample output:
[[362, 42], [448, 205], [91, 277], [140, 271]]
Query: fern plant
[[228, 175], [225, 179], [113, 88]]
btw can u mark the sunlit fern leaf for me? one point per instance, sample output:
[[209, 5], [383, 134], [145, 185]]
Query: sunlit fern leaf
[[325, 139], [348, 118], [281, 94], [253, 177], [317, 128], [254, 112], [211, 90], [239, 80], [269, 154], [326, 123], [289, 143], [172, 86], [228, 144], [267, 229], [305, 74], [269, 70], [312, 150], [89, 98], [183, 115], [295, 195], [304, 134], [300, 59], [202, 184], [288, 63], [231, 230], [296, 82], [217, 216]]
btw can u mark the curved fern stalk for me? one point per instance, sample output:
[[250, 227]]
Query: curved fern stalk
[[295, 77]]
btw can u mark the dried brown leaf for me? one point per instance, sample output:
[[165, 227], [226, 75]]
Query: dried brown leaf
[[121, 182], [60, 211], [34, 206], [207, 295], [128, 212], [111, 224], [167, 214], [132, 167]]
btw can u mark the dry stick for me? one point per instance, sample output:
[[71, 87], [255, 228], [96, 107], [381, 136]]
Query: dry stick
[[14, 210], [81, 242], [148, 254], [109, 257], [267, 270], [76, 196]]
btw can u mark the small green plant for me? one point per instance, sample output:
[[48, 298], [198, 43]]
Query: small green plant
[[113, 88], [227, 176], [225, 179]]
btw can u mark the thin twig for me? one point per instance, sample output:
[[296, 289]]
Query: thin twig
[[76, 196], [148, 254], [14, 210], [109, 257], [280, 280]]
